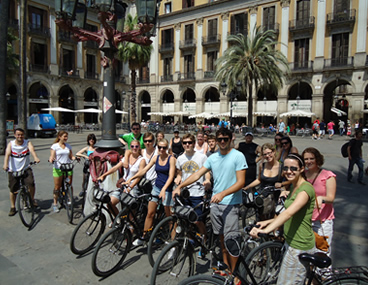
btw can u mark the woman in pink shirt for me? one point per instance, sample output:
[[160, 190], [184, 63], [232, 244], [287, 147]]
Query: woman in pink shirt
[[330, 128], [324, 183]]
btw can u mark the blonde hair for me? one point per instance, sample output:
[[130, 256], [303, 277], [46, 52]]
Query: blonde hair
[[60, 134]]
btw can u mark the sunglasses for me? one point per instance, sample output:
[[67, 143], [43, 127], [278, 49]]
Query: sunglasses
[[134, 146], [284, 143], [188, 142], [148, 141], [222, 139], [277, 140], [135, 129], [292, 168], [162, 147]]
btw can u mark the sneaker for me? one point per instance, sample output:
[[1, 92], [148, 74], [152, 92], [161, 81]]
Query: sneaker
[[55, 208], [81, 193], [201, 254], [12, 212], [158, 241], [138, 242], [172, 254]]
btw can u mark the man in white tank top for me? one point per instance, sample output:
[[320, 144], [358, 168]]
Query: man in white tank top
[[17, 158]]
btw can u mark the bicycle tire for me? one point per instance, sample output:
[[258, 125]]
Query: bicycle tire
[[347, 281], [111, 251], [203, 279], [249, 216], [264, 262], [160, 237], [25, 207], [171, 268], [69, 203], [87, 233]]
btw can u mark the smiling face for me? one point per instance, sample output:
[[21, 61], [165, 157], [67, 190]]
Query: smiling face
[[212, 143], [134, 146], [268, 154], [285, 144], [278, 140], [159, 137], [310, 161], [292, 169], [188, 144], [63, 138], [162, 147], [19, 136], [223, 142]]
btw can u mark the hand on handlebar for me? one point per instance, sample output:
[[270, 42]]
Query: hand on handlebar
[[176, 192]]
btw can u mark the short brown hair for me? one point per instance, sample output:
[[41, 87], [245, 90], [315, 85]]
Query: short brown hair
[[211, 137], [317, 155], [190, 136]]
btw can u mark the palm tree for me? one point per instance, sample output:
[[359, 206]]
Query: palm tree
[[137, 56], [12, 59], [255, 62]]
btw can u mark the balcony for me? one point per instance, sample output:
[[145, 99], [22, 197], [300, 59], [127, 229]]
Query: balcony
[[66, 37], [209, 74], [238, 31], [303, 66], [346, 62], [211, 40], [167, 78], [68, 72], [90, 44], [345, 17], [91, 75], [304, 24], [39, 30], [166, 48], [188, 44], [186, 76], [143, 80], [271, 26], [39, 68]]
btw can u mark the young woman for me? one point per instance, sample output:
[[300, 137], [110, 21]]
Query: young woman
[[165, 170], [61, 152], [159, 136], [85, 152], [278, 147], [287, 148], [269, 173], [297, 221], [136, 163], [201, 146], [176, 147], [324, 183]]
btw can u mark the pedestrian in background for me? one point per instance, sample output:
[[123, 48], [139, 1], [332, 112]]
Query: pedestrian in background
[[356, 157], [330, 127], [341, 127]]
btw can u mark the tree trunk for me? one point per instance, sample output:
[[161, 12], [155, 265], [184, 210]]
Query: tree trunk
[[22, 95], [133, 111], [250, 104], [3, 51]]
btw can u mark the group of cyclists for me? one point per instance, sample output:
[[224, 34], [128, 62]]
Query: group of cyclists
[[220, 167]]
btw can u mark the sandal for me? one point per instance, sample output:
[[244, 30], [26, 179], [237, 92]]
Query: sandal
[[237, 281]]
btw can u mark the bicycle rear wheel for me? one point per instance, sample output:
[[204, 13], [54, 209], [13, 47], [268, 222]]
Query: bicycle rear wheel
[[264, 262], [68, 202], [203, 279], [25, 207], [87, 233], [111, 251], [175, 263]]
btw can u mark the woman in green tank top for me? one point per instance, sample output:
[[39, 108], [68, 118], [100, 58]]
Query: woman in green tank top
[[297, 221]]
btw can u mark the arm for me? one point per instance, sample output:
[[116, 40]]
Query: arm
[[81, 152], [293, 150], [142, 164], [255, 182], [349, 153], [143, 171], [191, 179], [52, 155], [111, 170], [240, 180], [207, 181], [177, 180], [205, 148], [330, 192], [259, 153], [122, 140], [126, 160], [33, 152], [7, 155], [71, 156]]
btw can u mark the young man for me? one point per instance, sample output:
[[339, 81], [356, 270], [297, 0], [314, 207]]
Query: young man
[[126, 139], [17, 158], [212, 147], [281, 127], [187, 164], [228, 168], [356, 157]]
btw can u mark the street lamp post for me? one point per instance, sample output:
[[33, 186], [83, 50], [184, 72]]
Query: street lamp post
[[232, 96], [71, 16]]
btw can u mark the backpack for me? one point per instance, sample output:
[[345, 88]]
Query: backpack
[[99, 159], [344, 149]]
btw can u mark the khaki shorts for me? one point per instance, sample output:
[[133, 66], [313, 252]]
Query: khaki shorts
[[14, 182], [225, 219]]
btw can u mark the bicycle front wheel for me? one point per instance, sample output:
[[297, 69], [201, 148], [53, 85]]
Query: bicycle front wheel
[[68, 202], [264, 262], [203, 279], [348, 281], [175, 263], [111, 251], [25, 207], [87, 233]]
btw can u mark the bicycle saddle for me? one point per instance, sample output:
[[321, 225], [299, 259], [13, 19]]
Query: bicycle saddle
[[318, 259]]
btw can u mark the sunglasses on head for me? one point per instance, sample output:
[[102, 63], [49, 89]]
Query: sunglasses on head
[[188, 142], [222, 139], [292, 168], [148, 141], [134, 146], [162, 147]]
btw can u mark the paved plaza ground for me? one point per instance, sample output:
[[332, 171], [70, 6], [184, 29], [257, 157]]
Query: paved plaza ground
[[42, 255]]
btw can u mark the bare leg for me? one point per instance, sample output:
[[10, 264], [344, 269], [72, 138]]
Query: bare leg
[[57, 185], [12, 199]]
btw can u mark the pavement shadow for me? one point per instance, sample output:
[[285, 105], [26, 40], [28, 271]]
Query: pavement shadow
[[41, 211]]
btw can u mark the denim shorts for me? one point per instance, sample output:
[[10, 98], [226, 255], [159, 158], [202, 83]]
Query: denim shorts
[[117, 193], [168, 196]]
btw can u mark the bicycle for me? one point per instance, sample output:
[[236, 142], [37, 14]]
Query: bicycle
[[89, 230], [114, 246], [24, 202]]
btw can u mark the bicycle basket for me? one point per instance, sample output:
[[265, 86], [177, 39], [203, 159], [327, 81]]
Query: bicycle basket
[[66, 166], [129, 201], [186, 213], [100, 195], [18, 173]]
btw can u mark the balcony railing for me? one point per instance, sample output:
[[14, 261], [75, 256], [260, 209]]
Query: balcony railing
[[41, 68], [302, 24], [39, 30], [166, 47], [90, 44], [238, 31], [347, 16], [211, 40], [209, 74], [341, 62], [167, 78], [272, 26], [91, 75], [66, 37], [143, 80], [186, 76], [301, 66], [68, 72], [188, 44]]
